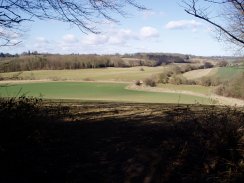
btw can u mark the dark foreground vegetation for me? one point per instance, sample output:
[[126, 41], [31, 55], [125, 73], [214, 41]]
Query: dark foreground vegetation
[[118, 142]]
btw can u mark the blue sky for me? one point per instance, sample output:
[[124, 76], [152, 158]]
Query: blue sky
[[165, 27]]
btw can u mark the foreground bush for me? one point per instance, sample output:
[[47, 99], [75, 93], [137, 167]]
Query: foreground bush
[[111, 142]]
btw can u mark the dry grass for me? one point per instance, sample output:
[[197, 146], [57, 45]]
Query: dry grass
[[196, 74]]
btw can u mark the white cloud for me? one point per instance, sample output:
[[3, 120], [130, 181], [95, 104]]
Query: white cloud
[[41, 42], [121, 36], [183, 24], [114, 36], [149, 32], [95, 39], [69, 38]]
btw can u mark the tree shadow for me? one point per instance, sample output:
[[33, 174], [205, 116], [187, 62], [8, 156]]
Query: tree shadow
[[183, 144]]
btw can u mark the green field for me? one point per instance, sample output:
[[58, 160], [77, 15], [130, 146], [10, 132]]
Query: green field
[[190, 88], [108, 74], [96, 92], [226, 73]]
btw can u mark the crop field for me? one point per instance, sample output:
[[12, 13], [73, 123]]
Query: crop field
[[191, 88], [91, 91], [226, 73], [108, 74]]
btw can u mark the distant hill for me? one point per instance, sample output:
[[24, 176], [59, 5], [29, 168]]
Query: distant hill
[[36, 61]]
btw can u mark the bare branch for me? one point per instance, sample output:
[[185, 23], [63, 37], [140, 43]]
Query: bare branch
[[82, 13], [231, 28]]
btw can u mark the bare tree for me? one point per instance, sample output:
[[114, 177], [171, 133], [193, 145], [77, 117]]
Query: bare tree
[[85, 14], [228, 21]]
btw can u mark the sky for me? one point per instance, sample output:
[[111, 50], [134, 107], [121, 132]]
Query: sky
[[164, 27]]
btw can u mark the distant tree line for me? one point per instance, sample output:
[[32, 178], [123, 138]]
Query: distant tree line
[[35, 61]]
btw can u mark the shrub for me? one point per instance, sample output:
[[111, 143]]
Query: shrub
[[150, 81], [208, 81], [207, 65], [178, 79], [187, 68], [163, 78], [175, 69], [138, 82], [222, 64]]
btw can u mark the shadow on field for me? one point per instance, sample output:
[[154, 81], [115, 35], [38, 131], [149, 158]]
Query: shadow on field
[[120, 143]]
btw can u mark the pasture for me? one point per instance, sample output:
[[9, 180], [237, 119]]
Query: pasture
[[227, 73], [91, 91]]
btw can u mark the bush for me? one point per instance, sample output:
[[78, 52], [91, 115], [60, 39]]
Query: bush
[[208, 81], [175, 69], [178, 79], [222, 64], [207, 65], [151, 82], [164, 78], [187, 68], [138, 83]]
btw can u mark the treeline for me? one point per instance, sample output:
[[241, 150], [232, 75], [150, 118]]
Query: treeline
[[160, 58], [59, 62]]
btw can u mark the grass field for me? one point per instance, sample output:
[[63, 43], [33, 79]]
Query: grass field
[[226, 73], [98, 92], [191, 88], [108, 74]]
